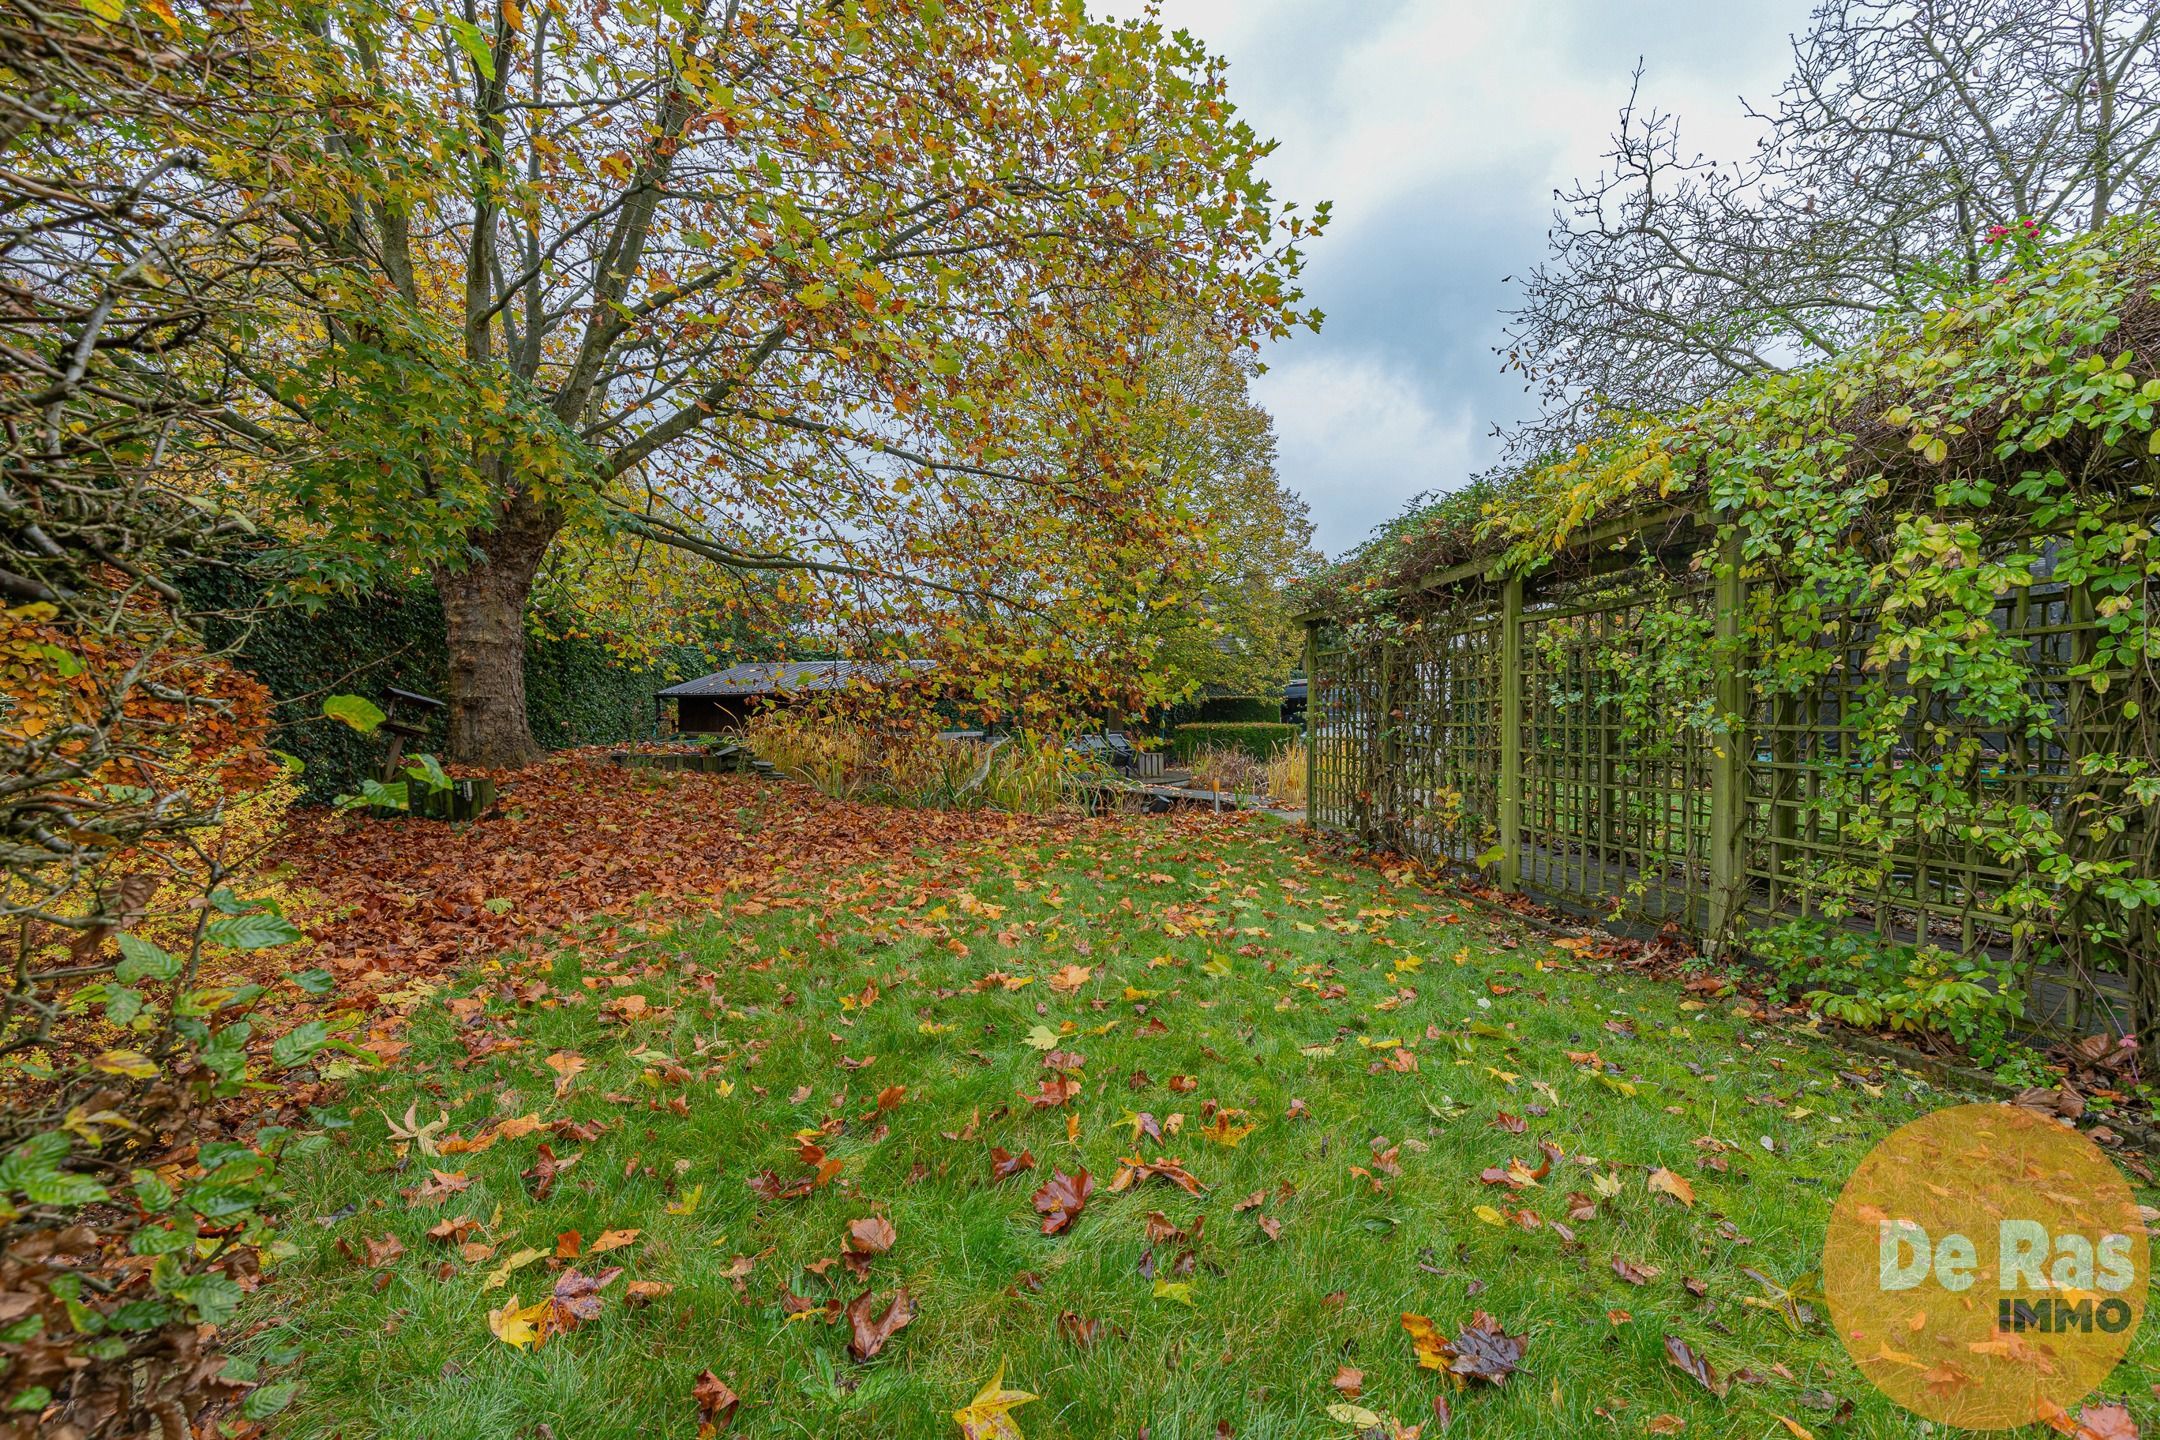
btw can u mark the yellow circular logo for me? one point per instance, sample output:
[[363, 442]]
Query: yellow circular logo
[[1986, 1267]]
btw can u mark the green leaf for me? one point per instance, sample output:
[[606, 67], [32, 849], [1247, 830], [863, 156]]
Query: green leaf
[[152, 1193], [58, 1189], [37, 1397], [38, 1156], [389, 797], [266, 1402], [474, 44], [160, 1240], [316, 981], [141, 960], [428, 771], [215, 1297], [252, 932], [355, 710], [300, 1044]]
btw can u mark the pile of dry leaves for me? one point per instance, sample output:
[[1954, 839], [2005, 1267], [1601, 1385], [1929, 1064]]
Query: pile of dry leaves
[[573, 838]]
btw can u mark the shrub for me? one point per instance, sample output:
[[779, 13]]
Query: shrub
[[1256, 738], [915, 766], [1241, 710], [1860, 979], [1229, 770]]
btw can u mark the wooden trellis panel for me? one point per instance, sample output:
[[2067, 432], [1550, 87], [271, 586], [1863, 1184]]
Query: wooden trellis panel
[[1342, 718], [1489, 727], [1445, 794], [1615, 806]]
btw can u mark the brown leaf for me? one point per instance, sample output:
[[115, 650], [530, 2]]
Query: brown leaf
[[545, 1168], [1080, 1331], [1062, 1198], [385, 1250], [869, 1328], [715, 1403], [453, 1232], [1132, 1170], [1053, 1092], [576, 1297], [2106, 1422], [1633, 1273], [871, 1235], [1483, 1351], [1003, 1165], [1687, 1362], [1350, 1381]]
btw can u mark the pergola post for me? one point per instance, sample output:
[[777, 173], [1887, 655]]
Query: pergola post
[[1511, 724], [1730, 745], [1312, 728]]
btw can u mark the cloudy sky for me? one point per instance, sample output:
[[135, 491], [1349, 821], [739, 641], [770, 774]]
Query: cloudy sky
[[1440, 128]]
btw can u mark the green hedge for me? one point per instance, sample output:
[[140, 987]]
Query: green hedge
[[576, 692], [1258, 739], [1241, 710]]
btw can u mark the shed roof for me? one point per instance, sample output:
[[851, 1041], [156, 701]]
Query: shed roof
[[792, 676]]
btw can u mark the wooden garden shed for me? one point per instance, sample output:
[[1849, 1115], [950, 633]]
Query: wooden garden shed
[[724, 699]]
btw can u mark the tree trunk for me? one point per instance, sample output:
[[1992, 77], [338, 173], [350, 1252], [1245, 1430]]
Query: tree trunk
[[484, 615]]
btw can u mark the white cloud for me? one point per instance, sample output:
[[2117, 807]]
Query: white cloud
[[1365, 437], [1440, 129]]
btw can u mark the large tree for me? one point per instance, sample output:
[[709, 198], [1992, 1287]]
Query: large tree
[[760, 280], [1231, 626], [1914, 140]]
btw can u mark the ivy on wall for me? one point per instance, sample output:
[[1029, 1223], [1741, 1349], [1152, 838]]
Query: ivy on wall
[[576, 691]]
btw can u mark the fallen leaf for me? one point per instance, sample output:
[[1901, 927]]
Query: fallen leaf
[[1684, 1359], [1062, 1198], [1178, 1290], [1664, 1182], [1483, 1351], [519, 1325], [567, 1065], [1357, 1417], [576, 1297], [989, 1415], [1132, 1170], [869, 1328], [715, 1403], [1078, 1330]]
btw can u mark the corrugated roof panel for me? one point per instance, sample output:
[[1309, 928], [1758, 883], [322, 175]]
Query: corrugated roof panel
[[790, 676]]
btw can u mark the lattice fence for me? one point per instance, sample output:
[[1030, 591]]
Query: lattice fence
[[1509, 725]]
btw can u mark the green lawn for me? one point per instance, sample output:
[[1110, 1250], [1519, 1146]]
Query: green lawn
[[1373, 1035]]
